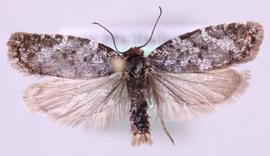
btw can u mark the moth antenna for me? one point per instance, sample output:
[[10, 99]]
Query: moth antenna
[[160, 13], [114, 43]]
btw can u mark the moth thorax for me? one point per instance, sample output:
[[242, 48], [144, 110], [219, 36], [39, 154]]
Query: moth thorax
[[135, 64], [118, 64]]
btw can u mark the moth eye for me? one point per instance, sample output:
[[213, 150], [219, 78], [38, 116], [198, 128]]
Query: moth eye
[[118, 64]]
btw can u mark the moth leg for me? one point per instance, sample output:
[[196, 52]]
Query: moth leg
[[166, 130], [157, 100]]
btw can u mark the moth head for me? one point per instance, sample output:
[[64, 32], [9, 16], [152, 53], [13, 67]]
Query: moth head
[[134, 51], [138, 47]]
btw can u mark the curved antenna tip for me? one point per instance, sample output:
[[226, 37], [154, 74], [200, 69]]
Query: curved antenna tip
[[160, 9], [160, 13]]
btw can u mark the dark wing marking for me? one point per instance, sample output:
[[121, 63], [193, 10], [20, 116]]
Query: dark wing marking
[[61, 56], [99, 101], [209, 48], [184, 96]]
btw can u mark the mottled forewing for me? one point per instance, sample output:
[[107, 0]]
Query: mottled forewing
[[61, 56], [209, 48], [99, 101]]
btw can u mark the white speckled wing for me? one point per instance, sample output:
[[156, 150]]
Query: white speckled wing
[[186, 95], [213, 47], [99, 101], [61, 56]]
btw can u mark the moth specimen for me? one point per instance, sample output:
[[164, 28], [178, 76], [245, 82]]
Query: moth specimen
[[90, 82]]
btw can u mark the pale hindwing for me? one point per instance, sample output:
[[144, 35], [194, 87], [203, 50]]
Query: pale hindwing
[[184, 96], [100, 101]]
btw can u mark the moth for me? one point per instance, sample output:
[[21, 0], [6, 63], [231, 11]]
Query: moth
[[89, 82]]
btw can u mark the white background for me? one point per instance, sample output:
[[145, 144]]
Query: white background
[[239, 129]]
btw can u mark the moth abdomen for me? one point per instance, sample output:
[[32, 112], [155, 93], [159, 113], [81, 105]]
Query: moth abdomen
[[136, 84], [140, 125], [141, 118]]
